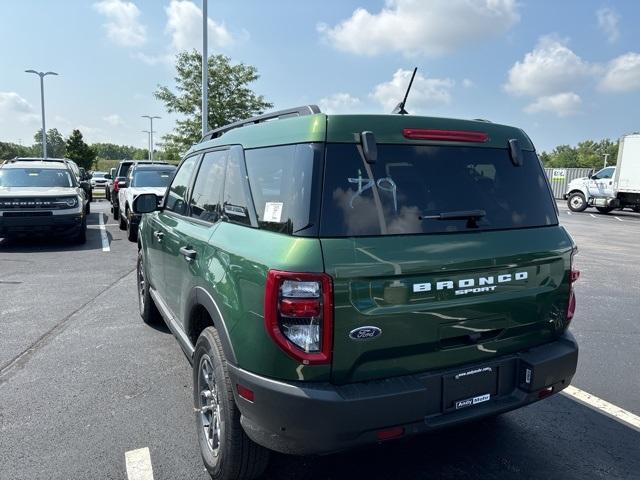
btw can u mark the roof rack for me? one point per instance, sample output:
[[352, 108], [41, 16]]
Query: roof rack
[[36, 159], [289, 112]]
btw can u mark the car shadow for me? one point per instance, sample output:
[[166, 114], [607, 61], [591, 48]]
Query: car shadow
[[43, 243], [557, 438]]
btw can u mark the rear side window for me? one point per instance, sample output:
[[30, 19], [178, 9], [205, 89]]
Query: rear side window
[[408, 183], [283, 187], [151, 178], [207, 190], [178, 190]]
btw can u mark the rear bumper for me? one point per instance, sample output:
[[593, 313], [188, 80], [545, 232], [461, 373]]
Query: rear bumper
[[302, 418], [62, 224]]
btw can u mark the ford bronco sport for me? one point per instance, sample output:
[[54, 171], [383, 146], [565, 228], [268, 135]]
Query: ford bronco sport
[[339, 280]]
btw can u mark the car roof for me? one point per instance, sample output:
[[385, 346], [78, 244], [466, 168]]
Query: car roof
[[388, 129], [153, 166], [35, 164]]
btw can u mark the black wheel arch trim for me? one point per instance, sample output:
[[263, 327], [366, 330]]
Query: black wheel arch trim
[[199, 297]]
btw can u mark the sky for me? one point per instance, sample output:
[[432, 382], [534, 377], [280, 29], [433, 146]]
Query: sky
[[563, 71]]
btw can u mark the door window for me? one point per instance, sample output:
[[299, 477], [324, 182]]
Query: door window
[[176, 197], [235, 204], [207, 190], [604, 173]]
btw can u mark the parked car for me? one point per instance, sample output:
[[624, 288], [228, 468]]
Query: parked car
[[99, 180], [334, 289], [108, 188], [142, 178], [39, 197], [120, 180]]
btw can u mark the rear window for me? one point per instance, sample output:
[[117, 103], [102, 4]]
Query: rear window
[[407, 183]]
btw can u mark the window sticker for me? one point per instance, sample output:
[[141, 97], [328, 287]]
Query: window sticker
[[272, 212]]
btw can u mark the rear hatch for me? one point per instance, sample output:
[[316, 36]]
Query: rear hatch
[[441, 255]]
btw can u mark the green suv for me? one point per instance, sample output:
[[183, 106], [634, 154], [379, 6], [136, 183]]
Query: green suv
[[341, 280]]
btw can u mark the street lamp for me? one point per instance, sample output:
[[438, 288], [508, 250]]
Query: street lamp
[[44, 131], [148, 139], [205, 69], [150, 134]]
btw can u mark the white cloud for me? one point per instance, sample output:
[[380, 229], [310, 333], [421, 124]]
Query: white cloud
[[339, 103], [608, 22], [13, 107], [562, 104], [184, 24], [425, 92], [432, 28], [123, 27], [622, 74], [114, 120], [550, 68]]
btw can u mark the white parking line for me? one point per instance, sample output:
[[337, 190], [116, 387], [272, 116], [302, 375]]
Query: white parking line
[[617, 218], [138, 463], [607, 408], [103, 235]]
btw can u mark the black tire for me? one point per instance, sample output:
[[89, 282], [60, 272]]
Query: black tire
[[123, 222], [116, 212], [576, 202], [148, 310], [132, 230], [88, 209], [604, 209], [236, 455]]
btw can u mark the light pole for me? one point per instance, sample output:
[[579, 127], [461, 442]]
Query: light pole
[[148, 139], [150, 134], [44, 131], [605, 155], [205, 69]]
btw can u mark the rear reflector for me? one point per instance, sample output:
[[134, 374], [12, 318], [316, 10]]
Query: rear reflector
[[445, 135], [575, 275], [390, 433], [245, 392]]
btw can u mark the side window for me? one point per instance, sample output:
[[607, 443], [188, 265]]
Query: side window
[[177, 191], [207, 190], [236, 203], [606, 173]]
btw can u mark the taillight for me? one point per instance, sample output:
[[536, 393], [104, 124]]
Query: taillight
[[574, 274], [445, 135], [115, 186], [298, 314]]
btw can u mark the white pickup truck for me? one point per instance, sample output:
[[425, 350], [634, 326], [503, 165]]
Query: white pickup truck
[[142, 178], [612, 187]]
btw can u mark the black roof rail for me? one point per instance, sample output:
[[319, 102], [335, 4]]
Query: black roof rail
[[287, 113]]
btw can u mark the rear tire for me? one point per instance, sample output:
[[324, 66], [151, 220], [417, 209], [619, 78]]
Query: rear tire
[[116, 213], [123, 222], [132, 231], [227, 452], [148, 310], [88, 209], [604, 209], [577, 202]]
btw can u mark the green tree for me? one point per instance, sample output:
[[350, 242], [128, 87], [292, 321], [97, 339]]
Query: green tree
[[10, 150], [78, 151], [587, 154], [55, 144], [230, 98]]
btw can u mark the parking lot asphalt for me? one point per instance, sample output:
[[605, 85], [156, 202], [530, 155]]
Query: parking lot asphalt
[[83, 380]]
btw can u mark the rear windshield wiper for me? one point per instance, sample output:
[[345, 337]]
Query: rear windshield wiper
[[472, 216]]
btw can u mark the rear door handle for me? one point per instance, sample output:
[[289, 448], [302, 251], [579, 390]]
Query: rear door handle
[[188, 254], [159, 235]]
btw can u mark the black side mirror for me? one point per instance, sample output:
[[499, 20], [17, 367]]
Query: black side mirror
[[515, 152], [369, 147], [145, 203], [107, 176]]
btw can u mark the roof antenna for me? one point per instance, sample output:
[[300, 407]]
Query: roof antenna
[[400, 107]]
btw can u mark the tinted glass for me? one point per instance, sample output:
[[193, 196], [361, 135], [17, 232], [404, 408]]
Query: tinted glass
[[235, 192], [151, 178], [207, 190], [408, 183], [281, 180], [34, 177], [123, 169], [604, 173], [178, 190]]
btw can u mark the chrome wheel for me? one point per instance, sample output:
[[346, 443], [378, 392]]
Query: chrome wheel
[[142, 285], [577, 201], [210, 414]]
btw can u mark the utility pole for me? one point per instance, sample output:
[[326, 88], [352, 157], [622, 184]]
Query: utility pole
[[605, 155], [148, 139], [205, 69], [150, 134], [44, 131]]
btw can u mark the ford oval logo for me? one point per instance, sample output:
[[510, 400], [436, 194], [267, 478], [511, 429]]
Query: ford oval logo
[[365, 333]]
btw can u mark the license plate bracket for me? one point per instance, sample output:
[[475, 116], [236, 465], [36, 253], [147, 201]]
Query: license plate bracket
[[470, 387]]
